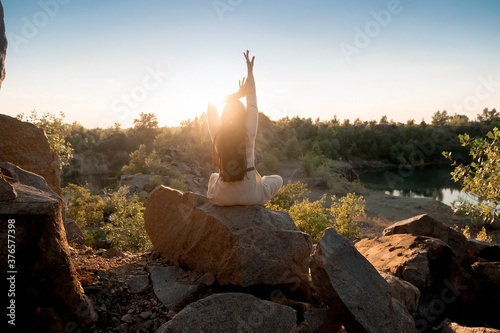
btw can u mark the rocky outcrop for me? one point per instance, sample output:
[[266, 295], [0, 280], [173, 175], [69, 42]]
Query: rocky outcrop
[[27, 146], [232, 312], [450, 327], [240, 245], [403, 291], [3, 46], [354, 289], [48, 296], [425, 225], [457, 278]]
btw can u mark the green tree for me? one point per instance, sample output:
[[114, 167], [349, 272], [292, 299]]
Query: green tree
[[345, 211], [440, 118], [488, 116], [480, 178], [56, 131]]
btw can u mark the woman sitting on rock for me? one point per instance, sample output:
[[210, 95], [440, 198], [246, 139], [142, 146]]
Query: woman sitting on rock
[[233, 136]]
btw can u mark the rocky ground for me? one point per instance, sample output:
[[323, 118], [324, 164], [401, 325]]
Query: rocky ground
[[119, 284], [122, 298]]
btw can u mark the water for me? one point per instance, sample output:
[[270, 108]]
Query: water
[[428, 182]]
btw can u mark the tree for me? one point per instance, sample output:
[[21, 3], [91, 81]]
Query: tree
[[440, 118], [488, 116], [481, 178], [146, 121], [56, 131], [383, 120]]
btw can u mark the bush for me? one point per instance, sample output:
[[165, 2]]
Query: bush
[[311, 217], [85, 209], [287, 196], [345, 211], [123, 214], [142, 162], [125, 228]]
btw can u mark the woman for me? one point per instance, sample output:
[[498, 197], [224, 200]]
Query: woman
[[233, 136]]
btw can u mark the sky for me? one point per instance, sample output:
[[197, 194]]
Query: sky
[[103, 62]]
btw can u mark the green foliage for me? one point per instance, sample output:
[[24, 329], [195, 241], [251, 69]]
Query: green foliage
[[311, 217], [56, 131], [345, 211], [83, 207], [292, 149], [480, 178], [287, 195], [123, 213], [125, 228], [440, 118], [142, 162]]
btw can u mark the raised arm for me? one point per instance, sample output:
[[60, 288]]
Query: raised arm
[[250, 84]]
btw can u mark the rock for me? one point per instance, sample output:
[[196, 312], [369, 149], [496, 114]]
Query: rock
[[136, 183], [489, 271], [239, 245], [478, 249], [450, 327], [403, 291], [422, 261], [127, 318], [27, 146], [232, 312], [353, 288], [7, 192], [207, 279], [73, 232], [171, 293], [112, 253], [138, 283], [322, 321], [425, 225], [123, 328], [3, 46], [103, 243], [432, 266], [47, 292]]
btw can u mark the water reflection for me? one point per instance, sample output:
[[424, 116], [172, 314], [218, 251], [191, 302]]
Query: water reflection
[[431, 182]]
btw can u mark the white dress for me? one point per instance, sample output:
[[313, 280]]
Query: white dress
[[253, 189]]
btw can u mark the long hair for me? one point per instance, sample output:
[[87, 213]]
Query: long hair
[[230, 148]]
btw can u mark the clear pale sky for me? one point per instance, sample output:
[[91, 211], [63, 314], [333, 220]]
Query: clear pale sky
[[102, 62]]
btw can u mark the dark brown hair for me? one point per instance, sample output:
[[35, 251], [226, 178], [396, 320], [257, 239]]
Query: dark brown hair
[[230, 148]]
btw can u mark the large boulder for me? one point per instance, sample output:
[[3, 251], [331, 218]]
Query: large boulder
[[432, 266], [232, 312], [425, 225], [27, 146], [354, 289], [48, 297], [240, 245], [3, 45]]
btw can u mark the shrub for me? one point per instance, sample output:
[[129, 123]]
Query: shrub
[[345, 211], [142, 162], [125, 228], [311, 217], [81, 206], [287, 196]]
